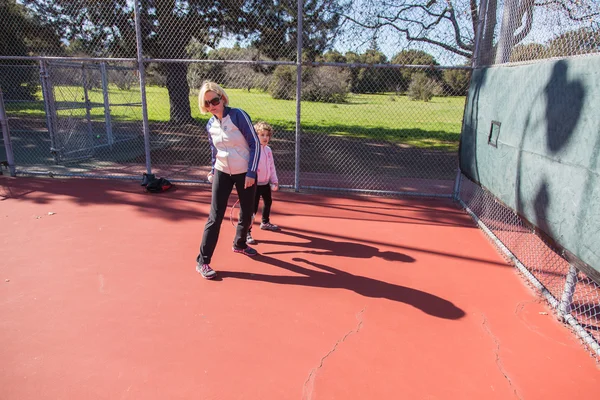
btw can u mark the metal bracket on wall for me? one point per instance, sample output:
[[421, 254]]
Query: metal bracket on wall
[[494, 134]]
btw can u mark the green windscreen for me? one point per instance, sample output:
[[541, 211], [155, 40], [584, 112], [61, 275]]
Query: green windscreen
[[531, 136]]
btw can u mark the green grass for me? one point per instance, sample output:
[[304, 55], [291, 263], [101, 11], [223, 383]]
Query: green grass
[[435, 124]]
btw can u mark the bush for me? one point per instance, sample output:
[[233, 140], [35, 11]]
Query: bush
[[155, 75], [283, 83], [123, 79], [323, 84], [423, 88], [327, 85]]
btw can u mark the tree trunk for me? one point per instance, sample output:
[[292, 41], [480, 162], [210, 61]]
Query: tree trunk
[[179, 93]]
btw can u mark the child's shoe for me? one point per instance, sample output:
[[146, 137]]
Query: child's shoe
[[250, 239], [267, 226], [248, 251]]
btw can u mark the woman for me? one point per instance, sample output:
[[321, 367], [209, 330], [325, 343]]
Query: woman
[[235, 153]]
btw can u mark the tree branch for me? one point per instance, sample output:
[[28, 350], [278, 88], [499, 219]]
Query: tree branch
[[416, 21], [457, 37], [431, 41], [570, 12]]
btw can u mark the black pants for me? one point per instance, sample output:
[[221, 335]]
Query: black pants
[[221, 189], [263, 191]]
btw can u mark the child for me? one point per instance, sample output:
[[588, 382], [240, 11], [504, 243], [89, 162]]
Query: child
[[266, 179]]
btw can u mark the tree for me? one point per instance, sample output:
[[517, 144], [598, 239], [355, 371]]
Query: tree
[[414, 57], [283, 82], [452, 25], [101, 28], [242, 76], [22, 35], [435, 22], [423, 88], [581, 41], [530, 51], [456, 82], [369, 80], [275, 24], [332, 57], [107, 28]]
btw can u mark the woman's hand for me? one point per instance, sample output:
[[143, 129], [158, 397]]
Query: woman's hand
[[275, 186], [249, 182]]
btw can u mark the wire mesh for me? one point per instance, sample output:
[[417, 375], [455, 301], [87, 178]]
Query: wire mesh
[[541, 260], [525, 30]]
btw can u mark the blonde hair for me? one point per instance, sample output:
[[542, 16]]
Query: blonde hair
[[263, 126], [208, 86]]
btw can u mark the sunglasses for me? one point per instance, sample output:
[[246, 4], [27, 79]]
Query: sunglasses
[[214, 102]]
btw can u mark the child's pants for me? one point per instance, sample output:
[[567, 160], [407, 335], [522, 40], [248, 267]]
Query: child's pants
[[263, 191], [221, 189]]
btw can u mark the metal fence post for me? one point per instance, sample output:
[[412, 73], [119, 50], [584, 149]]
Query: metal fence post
[[49, 106], [107, 119], [142, 73], [88, 105], [10, 158], [457, 182], [564, 306], [298, 97]]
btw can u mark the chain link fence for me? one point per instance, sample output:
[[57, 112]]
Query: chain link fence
[[573, 294], [85, 118], [368, 98]]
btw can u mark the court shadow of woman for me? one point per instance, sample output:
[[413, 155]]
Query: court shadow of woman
[[325, 276]]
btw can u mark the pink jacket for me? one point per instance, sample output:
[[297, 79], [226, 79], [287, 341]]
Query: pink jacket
[[266, 173]]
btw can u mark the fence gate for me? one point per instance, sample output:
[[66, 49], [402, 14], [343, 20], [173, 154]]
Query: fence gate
[[79, 117]]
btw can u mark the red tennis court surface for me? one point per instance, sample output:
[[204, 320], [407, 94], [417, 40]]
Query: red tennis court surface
[[356, 298]]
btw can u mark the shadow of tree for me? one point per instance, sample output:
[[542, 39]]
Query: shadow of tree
[[564, 101], [172, 205]]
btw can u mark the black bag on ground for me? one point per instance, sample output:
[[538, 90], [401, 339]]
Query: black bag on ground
[[159, 185], [146, 178]]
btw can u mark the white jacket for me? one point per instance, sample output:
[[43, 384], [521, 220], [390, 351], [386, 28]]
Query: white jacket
[[234, 144], [266, 167]]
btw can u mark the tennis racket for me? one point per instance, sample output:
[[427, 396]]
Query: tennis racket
[[234, 214]]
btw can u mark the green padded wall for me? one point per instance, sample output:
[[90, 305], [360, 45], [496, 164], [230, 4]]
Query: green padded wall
[[542, 159]]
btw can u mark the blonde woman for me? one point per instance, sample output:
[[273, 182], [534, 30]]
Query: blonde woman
[[235, 151]]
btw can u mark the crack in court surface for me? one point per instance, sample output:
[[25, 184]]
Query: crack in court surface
[[497, 354], [309, 384]]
